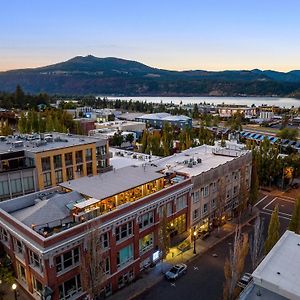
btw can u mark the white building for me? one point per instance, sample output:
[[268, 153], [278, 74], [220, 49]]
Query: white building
[[217, 175], [278, 275]]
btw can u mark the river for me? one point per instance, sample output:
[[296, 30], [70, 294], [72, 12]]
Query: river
[[257, 101]]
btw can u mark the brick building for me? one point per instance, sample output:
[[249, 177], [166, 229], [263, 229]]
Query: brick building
[[45, 233]]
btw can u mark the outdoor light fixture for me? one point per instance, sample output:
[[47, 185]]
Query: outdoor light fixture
[[195, 234], [14, 287]]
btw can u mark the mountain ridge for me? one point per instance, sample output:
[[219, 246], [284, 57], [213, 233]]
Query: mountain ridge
[[111, 75]]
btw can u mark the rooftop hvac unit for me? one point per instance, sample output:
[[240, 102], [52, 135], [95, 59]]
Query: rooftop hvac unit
[[199, 160], [17, 144], [190, 165]]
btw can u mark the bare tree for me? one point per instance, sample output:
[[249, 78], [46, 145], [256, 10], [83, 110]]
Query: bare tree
[[92, 265], [164, 235], [257, 243], [220, 202], [234, 265]]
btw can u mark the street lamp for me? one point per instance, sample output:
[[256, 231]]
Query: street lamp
[[14, 287], [195, 233]]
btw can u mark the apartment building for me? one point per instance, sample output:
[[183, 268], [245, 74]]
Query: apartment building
[[45, 233], [30, 163], [227, 111], [218, 176]]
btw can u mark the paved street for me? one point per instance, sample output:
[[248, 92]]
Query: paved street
[[205, 277]]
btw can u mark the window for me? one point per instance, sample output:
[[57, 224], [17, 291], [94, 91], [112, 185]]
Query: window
[[214, 186], [107, 265], [47, 179], [196, 214], [88, 154], [16, 186], [228, 192], [196, 197], [146, 219], [3, 235], [124, 256], [19, 247], [206, 191], [70, 288], [79, 170], [104, 240], [57, 161], [125, 278], [37, 286], [146, 243], [205, 206], [28, 184], [123, 231], [58, 176], [69, 159], [21, 273], [46, 166], [35, 260], [181, 202], [169, 208], [78, 155], [213, 203], [100, 150], [4, 189], [235, 190], [67, 260], [70, 174], [89, 168]]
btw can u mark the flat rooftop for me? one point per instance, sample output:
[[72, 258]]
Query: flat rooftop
[[124, 158], [279, 272], [51, 141], [113, 182], [195, 161], [45, 209]]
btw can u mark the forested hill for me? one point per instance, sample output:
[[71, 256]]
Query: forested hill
[[114, 76]]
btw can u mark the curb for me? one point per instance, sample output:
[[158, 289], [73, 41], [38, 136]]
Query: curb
[[159, 278]]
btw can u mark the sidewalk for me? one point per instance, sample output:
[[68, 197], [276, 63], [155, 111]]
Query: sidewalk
[[152, 276]]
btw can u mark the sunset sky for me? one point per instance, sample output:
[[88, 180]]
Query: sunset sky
[[170, 34]]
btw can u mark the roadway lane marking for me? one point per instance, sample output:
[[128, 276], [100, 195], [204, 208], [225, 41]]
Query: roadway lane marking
[[265, 197], [291, 198], [286, 200], [267, 213], [173, 284], [270, 203], [279, 213], [196, 268]]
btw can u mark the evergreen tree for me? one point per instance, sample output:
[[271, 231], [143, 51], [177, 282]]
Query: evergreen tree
[[295, 220], [35, 122], [22, 124], [144, 141], [273, 231]]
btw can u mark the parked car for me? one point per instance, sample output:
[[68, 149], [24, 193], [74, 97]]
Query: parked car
[[176, 271], [243, 282]]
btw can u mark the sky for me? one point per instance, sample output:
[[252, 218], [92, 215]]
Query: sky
[[168, 34]]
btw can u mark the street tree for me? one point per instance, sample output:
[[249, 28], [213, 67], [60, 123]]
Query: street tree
[[256, 243], [273, 231], [92, 267], [234, 265], [129, 138], [295, 220], [164, 235]]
